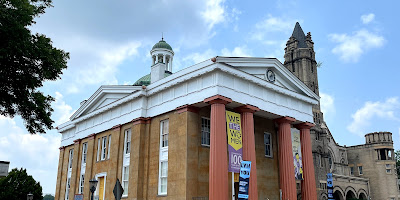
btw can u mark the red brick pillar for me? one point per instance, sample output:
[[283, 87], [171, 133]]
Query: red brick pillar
[[218, 174], [287, 181], [308, 184], [249, 147]]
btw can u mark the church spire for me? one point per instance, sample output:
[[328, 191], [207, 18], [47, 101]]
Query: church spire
[[299, 35]]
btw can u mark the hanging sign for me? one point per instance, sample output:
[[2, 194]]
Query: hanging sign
[[297, 158], [329, 186], [234, 131], [244, 179]]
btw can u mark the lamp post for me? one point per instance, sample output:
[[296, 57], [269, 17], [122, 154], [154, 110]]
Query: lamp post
[[92, 186], [29, 196]]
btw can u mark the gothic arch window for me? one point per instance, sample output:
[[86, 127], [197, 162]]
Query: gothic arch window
[[330, 161]]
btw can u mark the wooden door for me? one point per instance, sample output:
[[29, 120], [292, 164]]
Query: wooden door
[[101, 188]]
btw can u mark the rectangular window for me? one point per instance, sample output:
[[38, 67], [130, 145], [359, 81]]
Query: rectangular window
[[109, 147], [205, 131], [388, 169], [163, 165], [268, 144], [68, 186], [98, 149], [81, 183], [360, 170], [103, 147], [127, 141], [84, 152], [70, 159], [351, 171], [164, 177], [125, 180], [164, 133]]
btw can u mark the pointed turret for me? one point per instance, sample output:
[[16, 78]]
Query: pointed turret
[[299, 35]]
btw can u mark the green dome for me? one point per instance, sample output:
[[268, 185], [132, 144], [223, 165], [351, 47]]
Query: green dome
[[162, 45], [146, 80]]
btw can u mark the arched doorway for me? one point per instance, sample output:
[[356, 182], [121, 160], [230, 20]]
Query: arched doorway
[[362, 196], [337, 195], [350, 195]]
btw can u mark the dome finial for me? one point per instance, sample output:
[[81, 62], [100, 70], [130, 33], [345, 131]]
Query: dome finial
[[162, 36]]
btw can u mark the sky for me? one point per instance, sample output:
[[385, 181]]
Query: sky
[[110, 42]]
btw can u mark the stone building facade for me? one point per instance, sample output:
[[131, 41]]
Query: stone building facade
[[165, 136], [360, 171]]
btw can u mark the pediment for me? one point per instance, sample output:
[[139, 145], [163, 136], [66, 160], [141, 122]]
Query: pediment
[[259, 66], [104, 96]]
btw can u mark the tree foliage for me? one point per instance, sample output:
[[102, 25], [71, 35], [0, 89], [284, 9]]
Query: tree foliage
[[397, 157], [18, 184], [26, 61], [48, 197]]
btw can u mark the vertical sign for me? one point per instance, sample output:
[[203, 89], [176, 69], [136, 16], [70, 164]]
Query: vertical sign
[[234, 131], [297, 159], [329, 186], [244, 179]]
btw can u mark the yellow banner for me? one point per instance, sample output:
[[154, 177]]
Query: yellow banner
[[234, 128]]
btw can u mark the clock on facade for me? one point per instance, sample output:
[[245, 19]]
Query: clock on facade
[[270, 76]]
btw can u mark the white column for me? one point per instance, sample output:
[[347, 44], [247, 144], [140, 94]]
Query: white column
[[153, 59], [156, 58], [170, 65], [164, 59]]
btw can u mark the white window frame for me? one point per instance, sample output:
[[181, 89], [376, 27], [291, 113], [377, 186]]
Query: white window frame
[[266, 145], [126, 160], [84, 153], [127, 141], [205, 136], [109, 147], [67, 188], [163, 156], [360, 172], [70, 158], [81, 183], [103, 147], [125, 179], [98, 149]]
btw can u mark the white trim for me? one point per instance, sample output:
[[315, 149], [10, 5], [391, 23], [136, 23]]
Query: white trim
[[97, 176], [190, 86], [109, 147], [163, 154], [98, 149]]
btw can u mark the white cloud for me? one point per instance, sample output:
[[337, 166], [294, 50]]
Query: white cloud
[[241, 51], [272, 24], [199, 57], [37, 153], [62, 111], [327, 104], [384, 110], [351, 47], [366, 19], [214, 12]]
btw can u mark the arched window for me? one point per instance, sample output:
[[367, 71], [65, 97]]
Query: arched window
[[330, 161]]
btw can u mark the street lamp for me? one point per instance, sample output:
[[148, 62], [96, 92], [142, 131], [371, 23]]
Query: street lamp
[[29, 196], [92, 186]]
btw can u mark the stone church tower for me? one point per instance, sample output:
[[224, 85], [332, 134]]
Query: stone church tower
[[300, 60]]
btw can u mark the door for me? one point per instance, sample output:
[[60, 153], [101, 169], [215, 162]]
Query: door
[[101, 188]]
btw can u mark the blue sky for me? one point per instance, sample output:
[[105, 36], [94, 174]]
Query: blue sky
[[109, 43]]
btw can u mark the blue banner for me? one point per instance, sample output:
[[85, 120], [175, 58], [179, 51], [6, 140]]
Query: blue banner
[[329, 185], [244, 179]]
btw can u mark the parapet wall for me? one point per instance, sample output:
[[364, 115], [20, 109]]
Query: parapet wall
[[378, 137]]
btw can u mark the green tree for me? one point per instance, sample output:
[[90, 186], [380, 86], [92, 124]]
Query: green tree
[[397, 157], [26, 61], [18, 184], [48, 197]]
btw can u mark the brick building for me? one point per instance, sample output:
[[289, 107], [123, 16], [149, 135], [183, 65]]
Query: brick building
[[165, 136]]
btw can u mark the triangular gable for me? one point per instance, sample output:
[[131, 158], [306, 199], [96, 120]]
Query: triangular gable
[[259, 66], [105, 95]]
